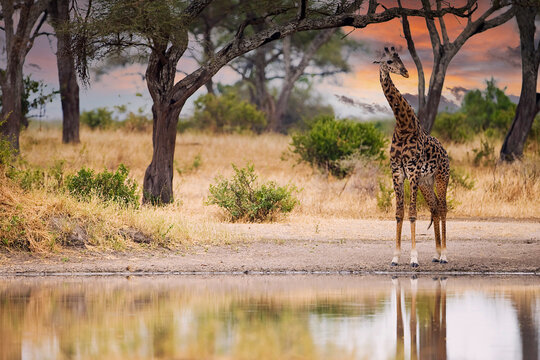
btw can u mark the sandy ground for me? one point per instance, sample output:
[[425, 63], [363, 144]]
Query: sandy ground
[[358, 246]]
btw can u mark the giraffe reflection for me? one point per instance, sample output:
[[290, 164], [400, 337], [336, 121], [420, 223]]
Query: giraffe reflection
[[427, 319]]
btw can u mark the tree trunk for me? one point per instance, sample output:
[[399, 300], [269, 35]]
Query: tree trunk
[[159, 174], [428, 112], [528, 105], [12, 91], [276, 121], [67, 76]]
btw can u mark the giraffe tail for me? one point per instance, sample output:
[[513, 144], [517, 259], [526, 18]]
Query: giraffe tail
[[431, 223]]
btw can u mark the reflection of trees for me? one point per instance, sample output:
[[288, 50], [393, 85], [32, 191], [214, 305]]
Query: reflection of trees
[[12, 308], [524, 302], [427, 318]]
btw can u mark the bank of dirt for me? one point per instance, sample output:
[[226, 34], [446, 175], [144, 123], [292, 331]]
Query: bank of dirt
[[326, 246]]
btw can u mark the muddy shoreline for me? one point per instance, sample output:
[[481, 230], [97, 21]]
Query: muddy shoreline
[[328, 247]]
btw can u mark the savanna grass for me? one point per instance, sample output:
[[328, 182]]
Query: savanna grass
[[486, 190]]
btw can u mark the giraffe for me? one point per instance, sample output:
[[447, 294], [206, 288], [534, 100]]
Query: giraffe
[[417, 156]]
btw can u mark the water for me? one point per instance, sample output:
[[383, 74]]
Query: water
[[270, 317]]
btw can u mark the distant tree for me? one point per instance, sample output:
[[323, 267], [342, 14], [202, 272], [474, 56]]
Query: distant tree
[[444, 51], [308, 54], [527, 11], [22, 20], [489, 111], [59, 17], [161, 28]]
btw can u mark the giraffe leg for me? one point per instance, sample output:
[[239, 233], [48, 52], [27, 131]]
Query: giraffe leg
[[431, 199], [397, 180], [412, 218], [442, 184]]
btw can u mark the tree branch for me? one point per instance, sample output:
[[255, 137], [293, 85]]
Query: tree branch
[[444, 33], [239, 45], [36, 31], [416, 59], [432, 29]]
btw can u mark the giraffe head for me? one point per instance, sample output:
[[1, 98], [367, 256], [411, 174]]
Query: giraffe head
[[391, 62]]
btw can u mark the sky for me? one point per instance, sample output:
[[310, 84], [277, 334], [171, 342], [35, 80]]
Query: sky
[[494, 53]]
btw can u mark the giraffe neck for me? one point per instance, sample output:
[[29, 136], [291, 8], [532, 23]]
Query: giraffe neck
[[406, 120]]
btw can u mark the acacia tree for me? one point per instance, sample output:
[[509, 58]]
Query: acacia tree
[[312, 53], [444, 51], [22, 22], [59, 12], [161, 28], [529, 100]]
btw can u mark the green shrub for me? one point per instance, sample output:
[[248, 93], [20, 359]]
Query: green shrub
[[329, 143], [56, 172], [489, 111], [100, 118], [28, 179], [243, 199], [108, 186], [453, 127], [485, 154], [459, 178], [384, 197], [136, 122], [227, 113], [7, 153]]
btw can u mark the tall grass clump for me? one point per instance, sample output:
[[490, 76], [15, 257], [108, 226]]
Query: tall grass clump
[[329, 143], [108, 186], [244, 199]]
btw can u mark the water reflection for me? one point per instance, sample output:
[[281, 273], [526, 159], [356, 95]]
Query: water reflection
[[270, 317]]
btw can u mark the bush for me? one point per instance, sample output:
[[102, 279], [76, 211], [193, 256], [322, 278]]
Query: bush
[[329, 143], [453, 127], [384, 197], [485, 154], [227, 113], [100, 118], [489, 111], [7, 153], [108, 186], [136, 122], [243, 199]]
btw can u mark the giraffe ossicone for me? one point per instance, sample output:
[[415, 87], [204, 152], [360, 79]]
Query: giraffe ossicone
[[417, 156]]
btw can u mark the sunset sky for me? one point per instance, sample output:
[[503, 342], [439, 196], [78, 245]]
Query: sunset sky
[[492, 53]]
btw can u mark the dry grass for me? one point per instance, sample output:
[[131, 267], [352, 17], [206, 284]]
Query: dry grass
[[510, 191]]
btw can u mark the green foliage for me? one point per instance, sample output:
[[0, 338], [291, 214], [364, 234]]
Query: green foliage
[[453, 127], [136, 122], [35, 96], [7, 153], [108, 186], [329, 143], [489, 111], [29, 178], [56, 172], [227, 113], [243, 199], [460, 178], [100, 118], [485, 154], [384, 197]]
